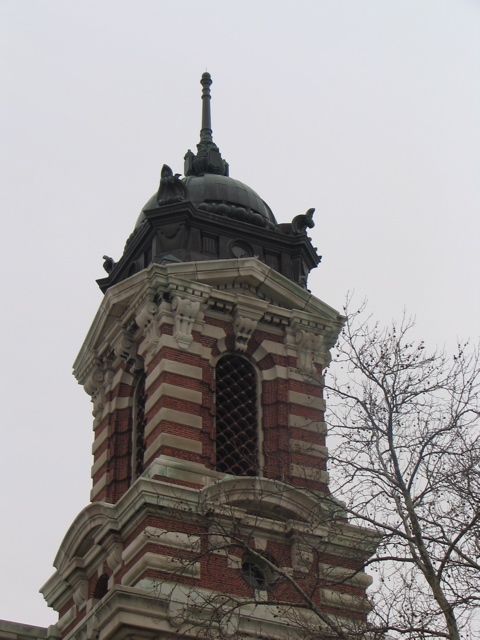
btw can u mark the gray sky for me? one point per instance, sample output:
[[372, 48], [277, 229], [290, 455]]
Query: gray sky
[[367, 110]]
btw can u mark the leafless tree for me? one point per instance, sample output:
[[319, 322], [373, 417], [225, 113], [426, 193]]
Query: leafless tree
[[405, 457], [404, 441], [263, 595]]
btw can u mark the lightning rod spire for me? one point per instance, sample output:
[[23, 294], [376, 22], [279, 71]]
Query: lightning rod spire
[[208, 158]]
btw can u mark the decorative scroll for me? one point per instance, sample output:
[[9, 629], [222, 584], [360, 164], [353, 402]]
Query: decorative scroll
[[96, 387], [245, 323], [125, 347], [243, 327], [80, 592], [186, 312], [146, 319]]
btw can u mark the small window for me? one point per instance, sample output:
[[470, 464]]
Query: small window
[[210, 244], [236, 417], [258, 573], [272, 260]]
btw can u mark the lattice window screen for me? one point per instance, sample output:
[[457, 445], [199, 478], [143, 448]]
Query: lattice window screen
[[236, 421], [139, 427]]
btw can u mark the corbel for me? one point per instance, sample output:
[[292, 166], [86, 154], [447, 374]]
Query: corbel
[[186, 311], [307, 340], [125, 347], [308, 344], [244, 324], [96, 385], [80, 590], [147, 320], [114, 555]]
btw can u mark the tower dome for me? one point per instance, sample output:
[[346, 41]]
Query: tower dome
[[222, 196], [208, 215], [208, 184], [207, 177]]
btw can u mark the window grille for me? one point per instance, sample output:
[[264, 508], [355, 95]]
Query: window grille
[[139, 426], [236, 417]]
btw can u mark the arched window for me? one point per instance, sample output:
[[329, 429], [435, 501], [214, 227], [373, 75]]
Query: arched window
[[236, 438], [138, 434]]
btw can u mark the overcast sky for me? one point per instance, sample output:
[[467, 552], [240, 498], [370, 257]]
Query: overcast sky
[[367, 110]]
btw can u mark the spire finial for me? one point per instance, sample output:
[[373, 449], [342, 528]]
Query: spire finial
[[208, 158], [206, 131]]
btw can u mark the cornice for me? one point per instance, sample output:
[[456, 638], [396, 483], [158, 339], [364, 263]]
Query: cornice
[[270, 297]]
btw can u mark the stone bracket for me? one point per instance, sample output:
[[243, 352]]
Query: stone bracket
[[96, 385], [308, 342], [114, 557], [244, 324], [186, 311], [125, 347], [309, 345], [147, 321], [80, 591]]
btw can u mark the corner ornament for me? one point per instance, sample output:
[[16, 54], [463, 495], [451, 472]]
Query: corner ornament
[[171, 188], [304, 221], [185, 313]]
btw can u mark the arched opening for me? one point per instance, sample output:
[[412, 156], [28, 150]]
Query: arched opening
[[101, 587], [236, 438]]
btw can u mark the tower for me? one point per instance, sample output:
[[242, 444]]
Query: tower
[[210, 512]]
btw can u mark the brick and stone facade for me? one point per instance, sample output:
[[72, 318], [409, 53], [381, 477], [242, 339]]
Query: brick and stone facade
[[210, 513], [176, 323], [175, 538]]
